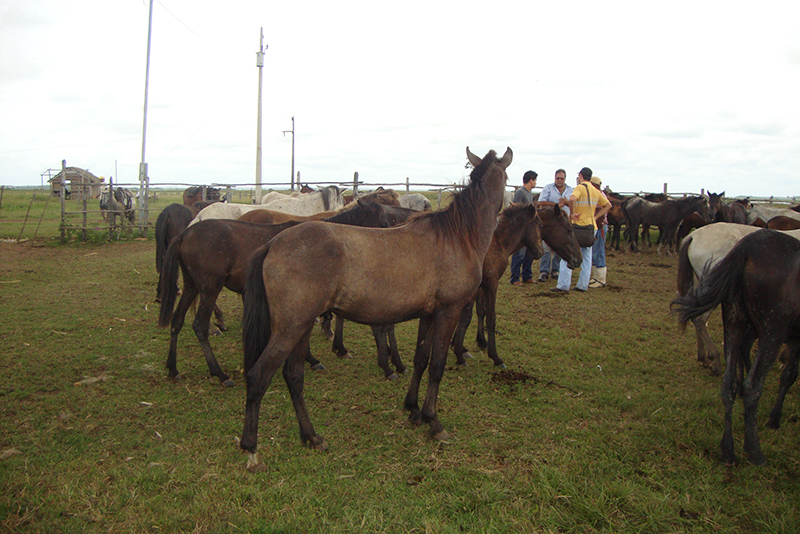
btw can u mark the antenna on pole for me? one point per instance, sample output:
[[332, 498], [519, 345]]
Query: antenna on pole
[[284, 134], [260, 65]]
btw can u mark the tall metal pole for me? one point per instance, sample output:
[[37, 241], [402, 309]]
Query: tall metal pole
[[291, 132], [260, 65], [143, 178]]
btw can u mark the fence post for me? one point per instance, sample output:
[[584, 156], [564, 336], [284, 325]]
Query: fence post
[[355, 185], [408, 185], [85, 192], [2, 189], [63, 197]]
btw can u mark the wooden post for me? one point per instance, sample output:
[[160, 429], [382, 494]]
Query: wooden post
[[408, 185], [2, 189], [63, 197], [355, 185], [85, 191]]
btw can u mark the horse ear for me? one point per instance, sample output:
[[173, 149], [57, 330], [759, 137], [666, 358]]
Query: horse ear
[[505, 161], [721, 195], [473, 159]]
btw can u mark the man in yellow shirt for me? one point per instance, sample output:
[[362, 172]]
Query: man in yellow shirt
[[582, 207]]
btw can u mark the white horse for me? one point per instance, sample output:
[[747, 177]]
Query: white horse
[[415, 201], [224, 210], [706, 246], [328, 198], [271, 196], [765, 213]]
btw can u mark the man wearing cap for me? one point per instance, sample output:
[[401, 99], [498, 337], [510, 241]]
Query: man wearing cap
[[583, 205], [599, 269], [552, 194], [521, 261]]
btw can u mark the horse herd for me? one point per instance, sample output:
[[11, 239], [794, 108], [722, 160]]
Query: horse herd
[[272, 255]]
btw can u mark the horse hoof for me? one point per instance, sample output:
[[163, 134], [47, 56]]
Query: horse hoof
[[221, 326], [393, 376], [442, 435], [215, 333], [254, 465], [345, 356], [318, 367], [462, 364], [228, 383], [317, 443], [501, 366], [415, 417], [467, 355], [176, 378]]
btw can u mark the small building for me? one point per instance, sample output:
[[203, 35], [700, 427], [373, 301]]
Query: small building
[[79, 183]]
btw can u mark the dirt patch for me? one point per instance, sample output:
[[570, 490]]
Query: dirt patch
[[507, 377]]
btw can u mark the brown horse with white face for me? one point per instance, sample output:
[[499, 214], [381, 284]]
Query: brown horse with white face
[[436, 265]]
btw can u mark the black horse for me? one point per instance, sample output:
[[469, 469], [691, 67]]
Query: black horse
[[758, 284]]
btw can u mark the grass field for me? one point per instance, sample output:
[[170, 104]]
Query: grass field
[[604, 421]]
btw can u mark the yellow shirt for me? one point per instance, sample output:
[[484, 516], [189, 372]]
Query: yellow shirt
[[585, 204]]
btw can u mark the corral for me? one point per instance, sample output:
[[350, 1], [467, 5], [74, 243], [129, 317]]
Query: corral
[[603, 422]]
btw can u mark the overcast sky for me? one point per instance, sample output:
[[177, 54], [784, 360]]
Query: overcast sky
[[699, 95]]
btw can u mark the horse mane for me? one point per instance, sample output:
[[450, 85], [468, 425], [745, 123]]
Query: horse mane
[[352, 215], [329, 192], [388, 197], [455, 220]]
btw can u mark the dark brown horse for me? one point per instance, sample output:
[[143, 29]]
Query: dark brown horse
[[516, 228], [211, 255], [667, 214], [758, 285], [783, 223], [721, 211], [435, 269]]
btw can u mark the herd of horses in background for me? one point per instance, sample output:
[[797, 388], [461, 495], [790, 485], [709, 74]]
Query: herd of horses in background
[[272, 254]]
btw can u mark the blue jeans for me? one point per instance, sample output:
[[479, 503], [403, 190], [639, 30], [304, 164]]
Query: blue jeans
[[521, 264], [565, 273], [599, 247], [549, 260]]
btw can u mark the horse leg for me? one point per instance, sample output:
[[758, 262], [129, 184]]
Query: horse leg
[[490, 296], [457, 343], [791, 352], [752, 387], [421, 357], [220, 319], [707, 352], [338, 347], [257, 381], [480, 313], [443, 327], [200, 327], [178, 317], [294, 375], [393, 352], [314, 363], [325, 325], [379, 333], [730, 385]]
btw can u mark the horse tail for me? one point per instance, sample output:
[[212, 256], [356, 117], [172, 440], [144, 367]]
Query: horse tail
[[716, 285], [168, 281], [256, 329], [685, 271], [161, 239]]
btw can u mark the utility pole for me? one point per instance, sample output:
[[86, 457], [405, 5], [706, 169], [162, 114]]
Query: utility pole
[[144, 181], [260, 65], [284, 134]]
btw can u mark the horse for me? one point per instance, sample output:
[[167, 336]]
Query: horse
[[324, 199], [782, 222], [213, 254], [415, 201], [616, 217], [758, 285], [195, 194], [721, 211], [515, 229], [120, 203], [668, 214], [435, 268], [767, 213], [707, 246]]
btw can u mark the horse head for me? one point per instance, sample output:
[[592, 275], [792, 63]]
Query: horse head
[[714, 204], [703, 208], [482, 165], [557, 232]]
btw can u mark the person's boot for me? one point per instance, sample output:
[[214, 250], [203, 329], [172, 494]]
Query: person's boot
[[598, 277]]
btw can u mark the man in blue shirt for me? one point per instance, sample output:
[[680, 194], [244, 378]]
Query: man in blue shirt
[[556, 193]]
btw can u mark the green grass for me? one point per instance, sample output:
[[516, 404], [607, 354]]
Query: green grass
[[606, 423]]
